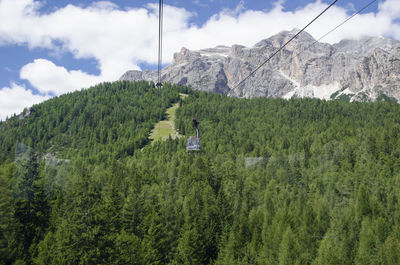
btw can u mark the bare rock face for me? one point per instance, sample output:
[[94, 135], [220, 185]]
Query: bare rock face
[[363, 70]]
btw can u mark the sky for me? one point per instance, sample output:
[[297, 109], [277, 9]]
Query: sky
[[52, 47]]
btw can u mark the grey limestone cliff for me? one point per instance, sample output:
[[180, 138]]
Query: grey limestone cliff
[[362, 70]]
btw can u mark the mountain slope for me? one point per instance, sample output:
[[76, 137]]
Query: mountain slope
[[299, 181], [90, 120], [363, 69]]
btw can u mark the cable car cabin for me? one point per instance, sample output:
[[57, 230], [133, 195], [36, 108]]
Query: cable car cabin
[[193, 143]]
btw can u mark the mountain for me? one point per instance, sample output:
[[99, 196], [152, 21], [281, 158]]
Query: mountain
[[366, 69], [298, 181]]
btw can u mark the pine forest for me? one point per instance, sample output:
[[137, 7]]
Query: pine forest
[[299, 181]]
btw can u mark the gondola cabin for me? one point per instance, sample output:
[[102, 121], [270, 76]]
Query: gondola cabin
[[193, 143]]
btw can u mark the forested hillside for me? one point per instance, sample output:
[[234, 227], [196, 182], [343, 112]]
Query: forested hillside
[[298, 181]]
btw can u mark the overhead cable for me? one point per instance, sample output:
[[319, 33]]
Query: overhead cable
[[335, 28], [160, 33], [283, 46]]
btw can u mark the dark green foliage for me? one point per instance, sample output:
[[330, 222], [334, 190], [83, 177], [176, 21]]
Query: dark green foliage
[[384, 97], [345, 97], [90, 122], [30, 209], [322, 187]]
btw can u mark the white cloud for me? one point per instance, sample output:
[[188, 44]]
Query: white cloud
[[122, 39], [390, 8], [249, 27], [14, 99], [51, 79]]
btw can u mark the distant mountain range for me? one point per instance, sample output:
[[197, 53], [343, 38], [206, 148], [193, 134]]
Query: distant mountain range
[[366, 69]]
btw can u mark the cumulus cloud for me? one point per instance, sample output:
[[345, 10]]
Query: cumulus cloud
[[249, 26], [14, 99], [51, 79], [120, 40], [390, 8]]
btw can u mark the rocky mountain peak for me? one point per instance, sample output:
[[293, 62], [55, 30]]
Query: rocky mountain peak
[[281, 38], [184, 56], [362, 69], [366, 45]]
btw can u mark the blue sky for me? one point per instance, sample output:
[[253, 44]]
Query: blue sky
[[51, 47]]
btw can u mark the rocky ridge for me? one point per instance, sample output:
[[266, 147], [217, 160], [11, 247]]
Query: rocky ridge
[[366, 69]]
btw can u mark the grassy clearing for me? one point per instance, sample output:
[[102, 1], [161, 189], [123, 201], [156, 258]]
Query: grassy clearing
[[183, 96], [165, 128]]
